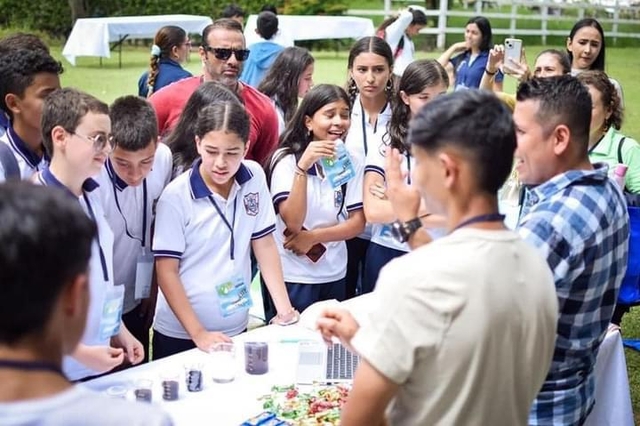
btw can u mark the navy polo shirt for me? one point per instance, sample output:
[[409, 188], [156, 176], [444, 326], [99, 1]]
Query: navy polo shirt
[[169, 71], [469, 73]]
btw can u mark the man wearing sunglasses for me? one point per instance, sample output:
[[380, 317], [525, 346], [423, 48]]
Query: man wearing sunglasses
[[223, 53]]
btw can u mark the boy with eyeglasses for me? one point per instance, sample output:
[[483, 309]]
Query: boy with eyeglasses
[[26, 78], [222, 53], [77, 135], [131, 182]]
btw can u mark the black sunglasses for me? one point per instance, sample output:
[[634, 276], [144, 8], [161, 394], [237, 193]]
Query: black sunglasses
[[223, 53]]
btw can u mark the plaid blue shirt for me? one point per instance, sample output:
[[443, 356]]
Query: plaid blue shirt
[[579, 221]]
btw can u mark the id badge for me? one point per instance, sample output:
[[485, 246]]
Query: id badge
[[144, 275], [233, 296], [339, 169], [111, 312]]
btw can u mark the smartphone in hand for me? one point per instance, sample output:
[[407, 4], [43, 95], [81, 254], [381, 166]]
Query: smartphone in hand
[[316, 252], [512, 50]]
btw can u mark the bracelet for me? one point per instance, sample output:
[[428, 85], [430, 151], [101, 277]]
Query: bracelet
[[490, 73], [295, 319], [300, 171]]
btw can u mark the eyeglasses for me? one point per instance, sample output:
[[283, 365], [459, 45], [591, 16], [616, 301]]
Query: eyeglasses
[[223, 53], [99, 141]]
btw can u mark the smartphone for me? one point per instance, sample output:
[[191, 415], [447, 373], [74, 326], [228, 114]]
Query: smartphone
[[316, 252], [512, 50]]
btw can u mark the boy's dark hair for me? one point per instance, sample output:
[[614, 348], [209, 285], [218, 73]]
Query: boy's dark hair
[[562, 100], [133, 123], [477, 124], [269, 8], [232, 10], [46, 242], [21, 40], [65, 108], [267, 25], [18, 70]]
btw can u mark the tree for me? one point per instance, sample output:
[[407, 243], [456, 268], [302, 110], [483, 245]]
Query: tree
[[78, 10]]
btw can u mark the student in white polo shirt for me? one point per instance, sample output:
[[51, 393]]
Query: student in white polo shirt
[[421, 82], [131, 182], [370, 88], [76, 129], [208, 221], [26, 78], [316, 214]]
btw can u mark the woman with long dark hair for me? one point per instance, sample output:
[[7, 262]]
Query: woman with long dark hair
[[469, 57]]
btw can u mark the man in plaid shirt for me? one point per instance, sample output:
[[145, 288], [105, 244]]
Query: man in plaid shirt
[[576, 216]]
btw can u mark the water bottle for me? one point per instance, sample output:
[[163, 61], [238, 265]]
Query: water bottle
[[620, 175]]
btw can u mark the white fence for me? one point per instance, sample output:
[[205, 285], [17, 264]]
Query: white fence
[[619, 12]]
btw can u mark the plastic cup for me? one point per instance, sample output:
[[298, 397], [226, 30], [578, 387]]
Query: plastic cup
[[117, 392], [223, 362], [193, 376], [256, 357], [143, 390], [170, 386]]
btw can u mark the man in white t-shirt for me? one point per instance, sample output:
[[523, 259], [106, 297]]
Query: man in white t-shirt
[[462, 329], [44, 309]]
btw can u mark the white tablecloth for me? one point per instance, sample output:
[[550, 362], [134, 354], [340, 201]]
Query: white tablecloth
[[300, 27], [234, 402], [91, 36], [613, 399]]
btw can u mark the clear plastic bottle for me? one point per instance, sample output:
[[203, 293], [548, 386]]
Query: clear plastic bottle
[[620, 175]]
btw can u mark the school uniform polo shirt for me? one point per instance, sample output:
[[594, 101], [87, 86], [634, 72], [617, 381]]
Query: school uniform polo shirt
[[363, 135], [381, 232], [28, 161], [469, 72], [100, 269], [325, 208], [190, 229], [126, 209]]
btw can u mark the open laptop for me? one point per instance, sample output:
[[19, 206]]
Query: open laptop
[[319, 363]]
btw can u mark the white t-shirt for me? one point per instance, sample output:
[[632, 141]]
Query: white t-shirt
[[323, 210], [189, 228], [100, 271], [126, 216], [80, 407], [466, 325], [28, 162]]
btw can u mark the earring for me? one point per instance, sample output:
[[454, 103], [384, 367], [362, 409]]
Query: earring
[[389, 87]]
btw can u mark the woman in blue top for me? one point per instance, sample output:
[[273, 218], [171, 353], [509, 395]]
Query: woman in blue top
[[170, 48], [470, 64]]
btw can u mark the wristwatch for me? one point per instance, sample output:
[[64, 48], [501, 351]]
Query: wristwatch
[[402, 231]]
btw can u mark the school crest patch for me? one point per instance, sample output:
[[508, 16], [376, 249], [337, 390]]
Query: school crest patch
[[252, 203]]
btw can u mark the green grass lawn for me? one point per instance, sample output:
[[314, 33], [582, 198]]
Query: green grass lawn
[[107, 82]]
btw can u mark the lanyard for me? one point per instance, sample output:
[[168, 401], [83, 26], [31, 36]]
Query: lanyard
[[492, 217], [226, 222], [103, 260], [15, 364], [144, 212], [364, 130], [408, 169]]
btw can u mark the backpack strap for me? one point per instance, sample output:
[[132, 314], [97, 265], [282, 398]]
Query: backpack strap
[[9, 163], [343, 190]]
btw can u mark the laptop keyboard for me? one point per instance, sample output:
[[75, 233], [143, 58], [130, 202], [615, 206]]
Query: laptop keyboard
[[341, 363]]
